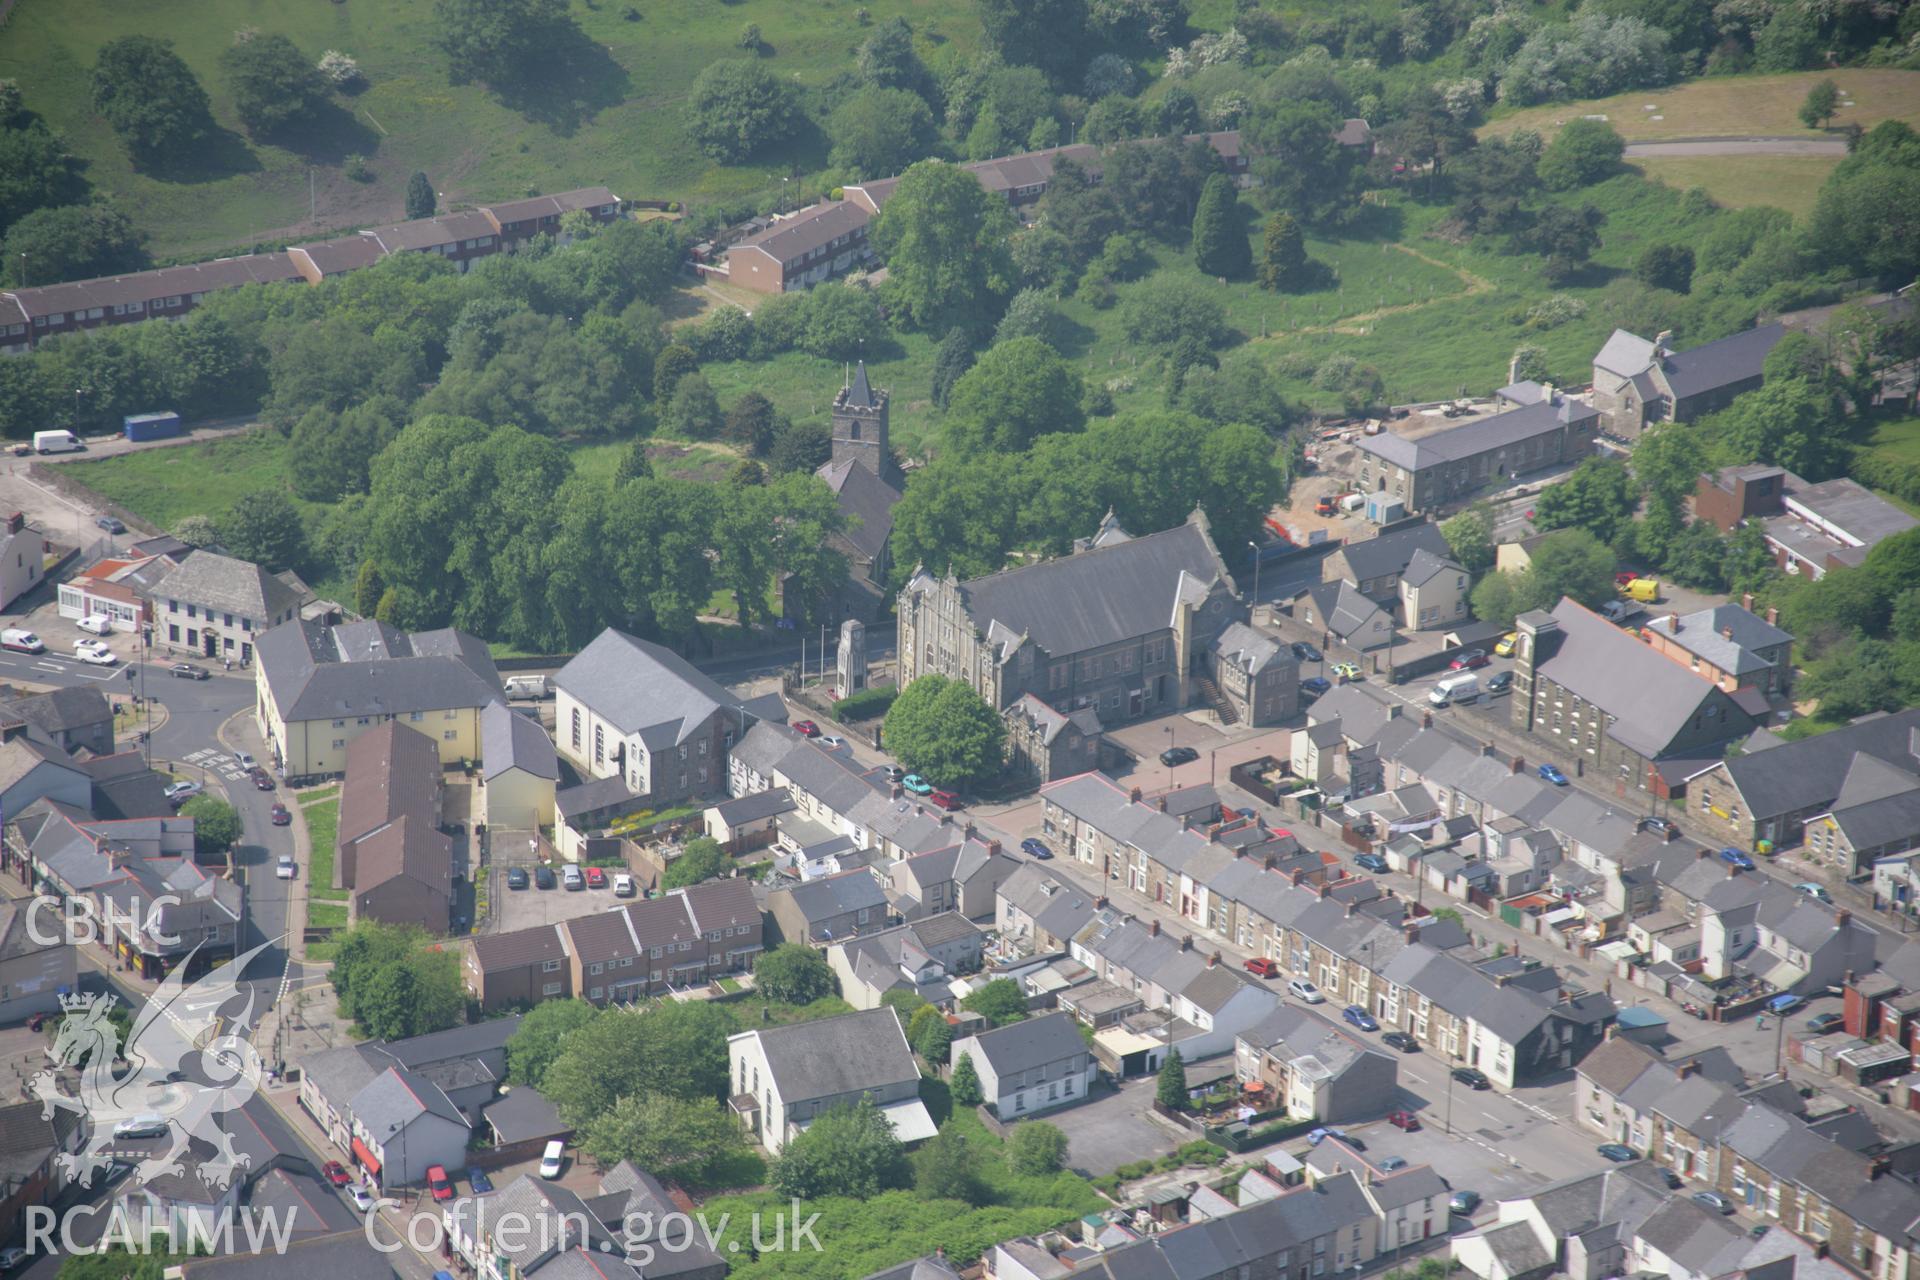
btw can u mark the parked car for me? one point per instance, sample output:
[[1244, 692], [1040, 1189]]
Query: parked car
[[552, 1158], [1734, 857], [806, 728], [1402, 1041], [1464, 1202], [1712, 1200], [1371, 862], [261, 779], [94, 652], [623, 886], [1178, 755], [1261, 967], [285, 868], [1673, 1180], [1469, 660], [1404, 1120], [1315, 685], [336, 1173], [1506, 645], [947, 800], [1034, 849], [516, 877], [1472, 1077], [1785, 1003], [1304, 652], [477, 1179], [187, 671], [1345, 672], [361, 1197], [281, 815], [543, 877], [98, 624], [1393, 1164], [110, 524], [1301, 989], [1659, 826], [916, 784], [831, 741], [1360, 1018], [244, 759], [1822, 1023], [1817, 891], [596, 878], [894, 772], [182, 791], [1615, 1152], [1551, 773], [439, 1183], [1499, 682], [571, 878], [1319, 1136]]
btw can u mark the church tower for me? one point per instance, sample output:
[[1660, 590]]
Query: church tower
[[860, 427]]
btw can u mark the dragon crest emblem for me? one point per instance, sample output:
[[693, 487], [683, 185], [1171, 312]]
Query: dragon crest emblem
[[186, 1061]]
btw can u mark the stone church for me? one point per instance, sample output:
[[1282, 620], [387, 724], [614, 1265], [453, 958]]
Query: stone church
[[865, 477]]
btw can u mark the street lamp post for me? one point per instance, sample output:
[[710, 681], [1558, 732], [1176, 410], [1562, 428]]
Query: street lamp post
[[1256, 580]]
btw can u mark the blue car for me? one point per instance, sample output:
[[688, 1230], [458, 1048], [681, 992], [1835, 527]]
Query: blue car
[[1034, 849], [916, 784], [1551, 773], [1360, 1018], [478, 1179], [1371, 862], [1784, 1003], [1315, 685], [1736, 858]]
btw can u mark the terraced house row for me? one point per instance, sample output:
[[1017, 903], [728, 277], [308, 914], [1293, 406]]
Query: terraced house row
[[27, 316]]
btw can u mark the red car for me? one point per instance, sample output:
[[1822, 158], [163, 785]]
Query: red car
[[282, 816], [596, 878], [439, 1183], [1262, 967], [945, 799], [806, 728], [1404, 1120], [1625, 576], [1469, 660], [336, 1173]]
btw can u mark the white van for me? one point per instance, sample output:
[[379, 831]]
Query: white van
[[56, 442], [551, 1158], [529, 686], [1460, 688], [21, 641]]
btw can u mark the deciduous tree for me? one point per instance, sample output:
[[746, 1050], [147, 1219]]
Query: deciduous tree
[[943, 730], [944, 238], [216, 826], [738, 107], [1020, 390], [1000, 1001], [1819, 105], [677, 1138], [1036, 1149], [1583, 153], [150, 96], [265, 527], [273, 84], [792, 973], [848, 1151], [500, 42], [542, 1033]]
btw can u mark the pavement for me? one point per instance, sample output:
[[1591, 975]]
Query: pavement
[[1738, 147]]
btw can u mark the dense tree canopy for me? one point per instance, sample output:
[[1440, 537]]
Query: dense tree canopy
[[738, 107], [70, 242], [943, 730], [151, 98], [944, 238], [500, 42], [849, 1151], [273, 84]]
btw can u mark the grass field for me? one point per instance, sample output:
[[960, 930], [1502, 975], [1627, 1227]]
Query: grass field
[[323, 822], [614, 118], [1732, 106], [1785, 182], [1899, 440]]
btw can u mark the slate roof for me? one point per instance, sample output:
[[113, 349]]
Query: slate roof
[[1035, 1042], [396, 1097], [812, 228], [1293, 1032], [927, 1268], [850, 1053], [1343, 610], [1389, 551], [239, 587], [1704, 632], [1649, 698], [1800, 775], [534, 207], [1497, 431], [319, 672], [1251, 1237], [1097, 597], [345, 1255], [1250, 649], [1423, 566], [1051, 722], [523, 1115], [1615, 1064], [866, 498], [770, 803], [58, 711], [836, 895], [519, 947], [1717, 364], [639, 687], [509, 740]]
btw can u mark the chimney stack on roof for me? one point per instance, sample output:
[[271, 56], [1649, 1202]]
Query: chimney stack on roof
[[993, 846], [1773, 616], [1518, 765], [1703, 853], [1746, 601], [1297, 875], [894, 791], [1412, 929], [1100, 903], [1153, 928], [1726, 633], [1732, 871], [16, 522], [1324, 890], [1689, 1068], [1161, 804], [1426, 719], [1673, 833], [1134, 795], [1213, 960], [1841, 918], [1186, 942]]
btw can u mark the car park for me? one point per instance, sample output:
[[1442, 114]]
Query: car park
[[1178, 755], [623, 886], [1468, 661], [1712, 1200], [947, 800], [1304, 652], [94, 652], [336, 1173], [1356, 1016], [570, 877], [1301, 989], [1404, 1120], [438, 1183], [543, 877], [280, 815], [1371, 862], [187, 671], [1615, 1152], [1464, 1202], [1472, 1077], [1733, 857], [98, 624], [1402, 1041], [1551, 773], [596, 878], [1261, 967], [1035, 849], [516, 877], [1821, 1024], [916, 784], [806, 728]]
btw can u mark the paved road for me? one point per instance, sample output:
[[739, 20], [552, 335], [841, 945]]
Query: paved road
[[1738, 147]]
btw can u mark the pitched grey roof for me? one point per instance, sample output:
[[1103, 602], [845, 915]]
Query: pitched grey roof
[[1799, 775], [1389, 551], [523, 1115], [1497, 431], [1625, 354], [865, 497], [640, 687], [752, 808], [928, 1268], [239, 587], [1250, 649], [1650, 698], [509, 740], [1705, 632], [1022, 1046], [59, 711], [319, 672], [831, 896], [1343, 610], [1097, 597], [1423, 566], [1718, 364], [851, 1053], [396, 1097]]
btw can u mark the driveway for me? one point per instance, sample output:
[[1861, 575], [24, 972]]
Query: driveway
[[1113, 1129]]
